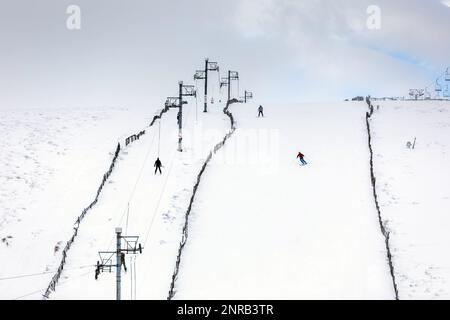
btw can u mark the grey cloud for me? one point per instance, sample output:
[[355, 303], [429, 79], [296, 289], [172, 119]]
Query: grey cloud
[[134, 52]]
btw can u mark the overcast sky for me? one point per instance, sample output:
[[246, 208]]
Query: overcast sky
[[133, 52]]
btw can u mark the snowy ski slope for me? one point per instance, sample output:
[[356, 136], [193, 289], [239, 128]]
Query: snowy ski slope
[[157, 205], [262, 226], [271, 229]]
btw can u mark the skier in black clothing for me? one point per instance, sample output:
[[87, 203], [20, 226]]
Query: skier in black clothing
[[122, 259], [260, 111], [158, 166]]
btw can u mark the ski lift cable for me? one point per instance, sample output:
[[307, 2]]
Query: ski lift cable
[[142, 169], [162, 192], [164, 188], [136, 183], [135, 186], [160, 197]]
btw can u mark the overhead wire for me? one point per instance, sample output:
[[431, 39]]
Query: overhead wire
[[165, 183], [41, 273], [159, 199], [42, 290], [139, 176]]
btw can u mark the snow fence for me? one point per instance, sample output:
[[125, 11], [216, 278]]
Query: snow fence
[[135, 137], [373, 179]]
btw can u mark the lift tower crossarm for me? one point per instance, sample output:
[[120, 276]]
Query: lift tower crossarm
[[106, 257], [172, 102], [247, 95], [232, 75], [203, 75]]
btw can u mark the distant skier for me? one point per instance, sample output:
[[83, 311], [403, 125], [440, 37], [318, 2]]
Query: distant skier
[[301, 156], [158, 166], [260, 111]]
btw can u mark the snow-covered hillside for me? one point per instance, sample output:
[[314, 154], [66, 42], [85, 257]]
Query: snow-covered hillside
[[265, 227], [261, 225], [51, 163], [414, 192]]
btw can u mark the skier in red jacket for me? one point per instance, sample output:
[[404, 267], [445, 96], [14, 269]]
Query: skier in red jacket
[[301, 157]]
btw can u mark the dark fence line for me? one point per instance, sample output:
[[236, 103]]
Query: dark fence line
[[216, 148], [383, 228], [52, 285], [134, 137], [158, 116], [54, 281]]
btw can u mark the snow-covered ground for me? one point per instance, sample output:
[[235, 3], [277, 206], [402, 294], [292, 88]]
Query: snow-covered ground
[[414, 192], [265, 227], [157, 205], [51, 163], [261, 225]]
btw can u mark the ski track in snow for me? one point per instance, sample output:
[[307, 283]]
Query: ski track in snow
[[265, 227]]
